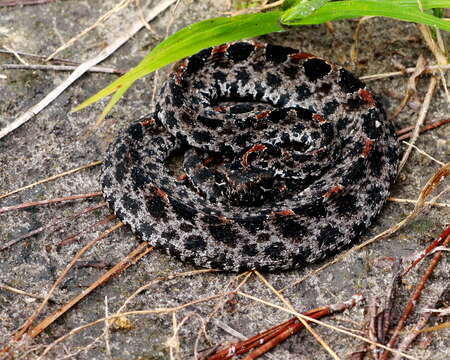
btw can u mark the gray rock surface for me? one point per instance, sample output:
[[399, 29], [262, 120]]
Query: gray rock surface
[[56, 140]]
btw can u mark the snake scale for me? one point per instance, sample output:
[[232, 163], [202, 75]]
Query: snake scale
[[257, 156]]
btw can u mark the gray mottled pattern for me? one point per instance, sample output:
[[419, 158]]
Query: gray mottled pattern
[[257, 157]]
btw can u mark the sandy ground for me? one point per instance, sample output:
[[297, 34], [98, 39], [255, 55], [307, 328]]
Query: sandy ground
[[55, 140]]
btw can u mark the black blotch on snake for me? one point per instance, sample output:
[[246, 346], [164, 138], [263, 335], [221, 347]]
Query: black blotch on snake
[[281, 177]]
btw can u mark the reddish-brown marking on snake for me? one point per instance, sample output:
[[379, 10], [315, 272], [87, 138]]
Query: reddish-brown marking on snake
[[148, 122], [367, 148], [220, 49], [334, 190], [318, 118], [255, 148], [300, 56], [286, 212], [262, 114], [367, 96], [161, 193], [182, 177], [225, 220], [180, 71], [220, 109]]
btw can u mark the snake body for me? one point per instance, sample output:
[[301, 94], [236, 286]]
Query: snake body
[[285, 159]]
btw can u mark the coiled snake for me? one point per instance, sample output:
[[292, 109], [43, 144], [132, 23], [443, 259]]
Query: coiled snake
[[286, 158]]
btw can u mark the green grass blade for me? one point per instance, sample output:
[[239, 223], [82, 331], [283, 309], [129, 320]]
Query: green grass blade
[[304, 8], [114, 99], [189, 41], [427, 4], [216, 31], [355, 8], [289, 3]]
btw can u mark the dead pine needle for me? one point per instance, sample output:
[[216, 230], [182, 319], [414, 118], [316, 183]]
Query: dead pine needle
[[415, 297], [302, 321], [71, 239], [159, 311], [267, 340], [47, 202], [24, 328], [138, 253], [51, 178], [56, 223]]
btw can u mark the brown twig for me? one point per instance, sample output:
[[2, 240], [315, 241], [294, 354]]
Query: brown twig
[[268, 339], [49, 225], [20, 292], [354, 48], [372, 328], [379, 317], [408, 339], [140, 251], [360, 353], [97, 69], [71, 239], [414, 298], [420, 120], [49, 201], [24, 2], [54, 177], [406, 133], [411, 90], [438, 50], [427, 126], [24, 328], [302, 321], [440, 240]]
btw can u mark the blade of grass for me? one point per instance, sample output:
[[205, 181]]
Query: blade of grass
[[426, 4], [304, 8], [192, 39], [114, 99], [216, 31], [356, 8]]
